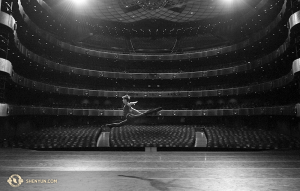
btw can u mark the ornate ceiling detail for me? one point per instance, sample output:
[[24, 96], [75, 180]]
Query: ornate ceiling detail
[[180, 11], [151, 5]]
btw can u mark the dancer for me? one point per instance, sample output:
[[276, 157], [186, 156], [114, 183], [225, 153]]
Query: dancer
[[127, 109]]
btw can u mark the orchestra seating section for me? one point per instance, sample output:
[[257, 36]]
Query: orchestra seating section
[[153, 136], [247, 138], [57, 137]]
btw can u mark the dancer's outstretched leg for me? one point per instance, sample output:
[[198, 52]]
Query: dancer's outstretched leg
[[131, 117], [150, 111]]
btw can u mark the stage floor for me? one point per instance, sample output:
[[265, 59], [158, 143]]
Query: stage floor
[[98, 170]]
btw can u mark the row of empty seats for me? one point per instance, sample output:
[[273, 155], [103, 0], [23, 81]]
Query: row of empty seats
[[57, 137], [152, 136], [218, 137], [247, 138], [106, 85]]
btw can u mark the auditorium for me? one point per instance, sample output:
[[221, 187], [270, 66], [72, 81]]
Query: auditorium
[[150, 95]]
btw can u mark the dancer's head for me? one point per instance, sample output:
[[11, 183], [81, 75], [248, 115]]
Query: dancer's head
[[126, 99]]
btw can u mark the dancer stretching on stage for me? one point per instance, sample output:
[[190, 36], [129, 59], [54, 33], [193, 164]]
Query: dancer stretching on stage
[[127, 109]]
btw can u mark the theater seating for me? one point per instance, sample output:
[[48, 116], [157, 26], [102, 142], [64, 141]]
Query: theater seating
[[57, 137], [218, 137], [247, 138], [152, 136]]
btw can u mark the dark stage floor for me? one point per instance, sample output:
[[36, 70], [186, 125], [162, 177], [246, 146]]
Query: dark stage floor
[[96, 170]]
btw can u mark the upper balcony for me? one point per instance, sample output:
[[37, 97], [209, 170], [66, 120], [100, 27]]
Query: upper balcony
[[125, 43]]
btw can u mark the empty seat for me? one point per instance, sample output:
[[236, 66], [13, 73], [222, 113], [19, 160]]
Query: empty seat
[[153, 136]]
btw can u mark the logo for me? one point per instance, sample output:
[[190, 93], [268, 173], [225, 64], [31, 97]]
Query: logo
[[15, 180]]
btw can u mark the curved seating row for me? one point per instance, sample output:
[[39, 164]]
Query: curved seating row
[[84, 84], [33, 42], [57, 137], [166, 105], [153, 136], [218, 137], [247, 138]]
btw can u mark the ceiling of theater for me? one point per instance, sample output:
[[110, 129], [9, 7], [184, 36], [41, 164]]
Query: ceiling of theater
[[129, 11]]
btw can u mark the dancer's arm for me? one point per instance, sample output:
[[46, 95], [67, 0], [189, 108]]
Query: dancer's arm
[[137, 111]]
